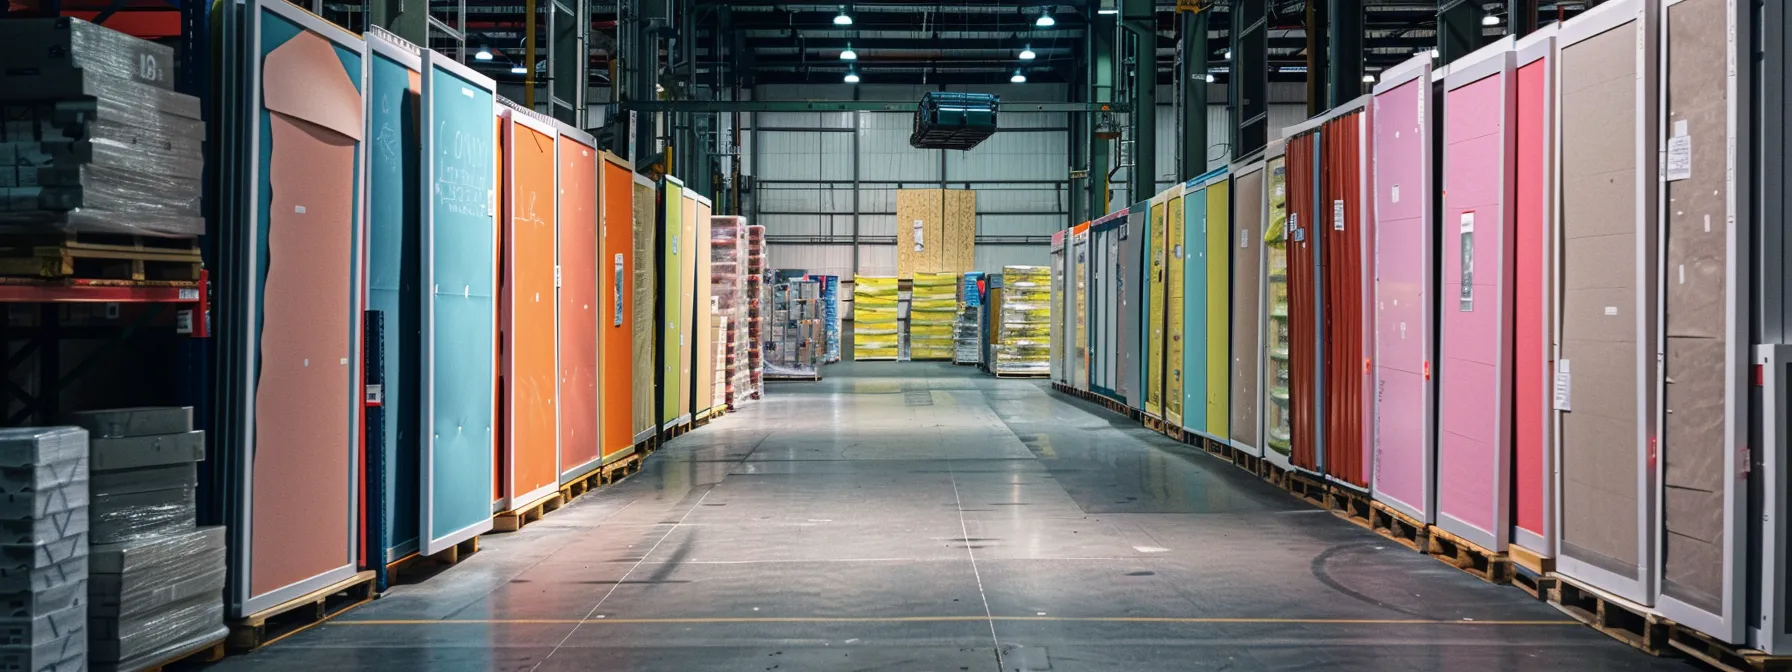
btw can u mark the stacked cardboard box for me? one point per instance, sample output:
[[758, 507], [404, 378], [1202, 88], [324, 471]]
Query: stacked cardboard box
[[43, 549], [93, 137], [874, 318], [1024, 345], [158, 579], [933, 310]]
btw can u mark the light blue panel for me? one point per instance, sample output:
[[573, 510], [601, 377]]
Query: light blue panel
[[463, 316], [1194, 310], [393, 269]]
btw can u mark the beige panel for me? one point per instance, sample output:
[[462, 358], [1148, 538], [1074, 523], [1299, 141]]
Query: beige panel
[[926, 206], [1247, 227], [959, 254]]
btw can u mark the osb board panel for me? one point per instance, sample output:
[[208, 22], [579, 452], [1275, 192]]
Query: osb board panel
[[580, 388], [1247, 267], [530, 440], [1599, 447], [1154, 305], [1693, 447], [960, 232], [926, 206], [646, 255]]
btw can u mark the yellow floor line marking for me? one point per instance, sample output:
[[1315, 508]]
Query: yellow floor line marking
[[953, 619]]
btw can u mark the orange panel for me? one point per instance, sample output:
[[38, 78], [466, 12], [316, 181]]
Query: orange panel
[[616, 271], [579, 308], [531, 443]]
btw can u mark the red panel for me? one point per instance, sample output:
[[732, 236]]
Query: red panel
[[1531, 300], [1342, 261], [579, 305], [1303, 377]]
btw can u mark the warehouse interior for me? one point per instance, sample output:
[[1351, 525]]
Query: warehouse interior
[[1012, 335]]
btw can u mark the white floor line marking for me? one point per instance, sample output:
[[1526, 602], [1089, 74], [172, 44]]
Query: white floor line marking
[[965, 528], [625, 575]]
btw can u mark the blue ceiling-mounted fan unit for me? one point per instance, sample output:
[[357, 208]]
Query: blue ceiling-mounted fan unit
[[951, 120]]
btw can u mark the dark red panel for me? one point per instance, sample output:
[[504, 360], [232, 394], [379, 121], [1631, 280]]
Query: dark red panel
[[1342, 262], [1302, 326]]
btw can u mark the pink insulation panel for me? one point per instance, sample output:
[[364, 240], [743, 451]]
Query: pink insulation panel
[[1531, 299], [1402, 317], [1474, 437]]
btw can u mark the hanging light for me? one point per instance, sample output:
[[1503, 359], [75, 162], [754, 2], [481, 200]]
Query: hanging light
[[852, 76], [1027, 54], [1209, 77], [518, 69], [1018, 78], [1045, 19], [1490, 20], [842, 19], [1368, 79], [1434, 53], [483, 54], [849, 54], [1228, 54]]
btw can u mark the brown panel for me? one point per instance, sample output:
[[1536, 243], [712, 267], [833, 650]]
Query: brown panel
[[304, 391], [960, 252], [1303, 388], [1247, 266], [1599, 297], [1697, 252], [579, 307], [646, 257], [1342, 252]]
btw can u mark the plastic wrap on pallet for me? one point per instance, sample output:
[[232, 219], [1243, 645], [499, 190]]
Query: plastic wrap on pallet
[[118, 423], [124, 595], [118, 638], [58, 46], [142, 515], [157, 554], [1023, 345], [176, 647], [147, 451]]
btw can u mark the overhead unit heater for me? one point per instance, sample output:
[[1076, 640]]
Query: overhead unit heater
[[950, 120]]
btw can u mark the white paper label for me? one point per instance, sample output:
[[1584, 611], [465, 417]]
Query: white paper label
[[1394, 194], [189, 295], [1611, 310], [1338, 215], [1679, 155], [1564, 386], [919, 243], [616, 295], [1244, 238]]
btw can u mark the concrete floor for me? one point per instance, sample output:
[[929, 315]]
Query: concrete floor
[[919, 516]]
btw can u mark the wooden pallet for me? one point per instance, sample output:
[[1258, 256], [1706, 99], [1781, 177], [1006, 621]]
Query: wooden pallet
[[1723, 655], [300, 613], [1618, 618], [515, 519], [1349, 503], [674, 432], [1247, 462], [999, 374], [416, 566], [1533, 584], [198, 654], [1176, 433], [1276, 474], [1308, 488], [1399, 527], [1460, 553], [1154, 423], [100, 257]]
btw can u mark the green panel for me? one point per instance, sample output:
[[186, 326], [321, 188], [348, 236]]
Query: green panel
[[671, 270]]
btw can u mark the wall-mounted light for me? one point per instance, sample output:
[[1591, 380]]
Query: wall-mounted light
[[842, 19], [483, 54], [849, 54], [1027, 54], [1018, 78]]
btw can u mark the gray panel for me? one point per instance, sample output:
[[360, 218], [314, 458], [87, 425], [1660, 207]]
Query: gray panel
[[1247, 263], [1131, 277], [1600, 455]]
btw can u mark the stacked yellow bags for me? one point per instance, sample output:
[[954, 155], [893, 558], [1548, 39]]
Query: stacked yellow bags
[[874, 318], [933, 306], [1025, 347]]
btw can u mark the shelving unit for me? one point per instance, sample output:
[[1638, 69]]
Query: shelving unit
[[795, 337]]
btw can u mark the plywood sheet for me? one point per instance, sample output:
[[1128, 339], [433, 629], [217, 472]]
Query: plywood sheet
[[1600, 447], [1533, 356], [1404, 254], [1219, 310], [959, 228], [1247, 315], [393, 270], [1474, 407], [1194, 308], [919, 213], [703, 369], [1698, 376], [581, 395], [527, 301], [617, 274], [306, 405], [1175, 314], [645, 328]]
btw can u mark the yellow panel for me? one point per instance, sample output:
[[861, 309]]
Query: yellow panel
[[1174, 313], [1219, 308], [1154, 312]]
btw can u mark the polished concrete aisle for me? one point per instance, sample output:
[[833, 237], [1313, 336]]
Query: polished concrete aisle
[[915, 516]]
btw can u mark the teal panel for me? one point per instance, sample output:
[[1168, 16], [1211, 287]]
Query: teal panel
[[393, 270], [462, 310], [1194, 310]]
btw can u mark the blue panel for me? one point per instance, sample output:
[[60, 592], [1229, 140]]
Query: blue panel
[[1194, 311], [393, 270], [463, 317]]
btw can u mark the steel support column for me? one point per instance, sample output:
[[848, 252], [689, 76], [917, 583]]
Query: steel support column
[[1458, 29], [1103, 70], [1315, 26], [1191, 83], [409, 21], [1344, 52], [1142, 182], [1521, 17], [1248, 77], [640, 73]]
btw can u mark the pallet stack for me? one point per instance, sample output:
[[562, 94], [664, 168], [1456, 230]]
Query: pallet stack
[[933, 310], [728, 284], [96, 142], [156, 591], [874, 330], [43, 560], [757, 297], [1024, 345]]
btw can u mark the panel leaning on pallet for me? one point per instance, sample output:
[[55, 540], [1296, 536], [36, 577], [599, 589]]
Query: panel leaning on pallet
[[685, 301], [1130, 267], [1768, 515], [1474, 439], [1705, 300], [1533, 299], [1058, 350], [580, 399], [1219, 290], [1275, 408], [1078, 311], [668, 308], [1175, 310], [703, 350], [394, 90], [1605, 389], [1403, 449], [643, 311], [460, 302], [1155, 306], [1195, 277], [529, 445], [1248, 180], [295, 410], [1343, 221]]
